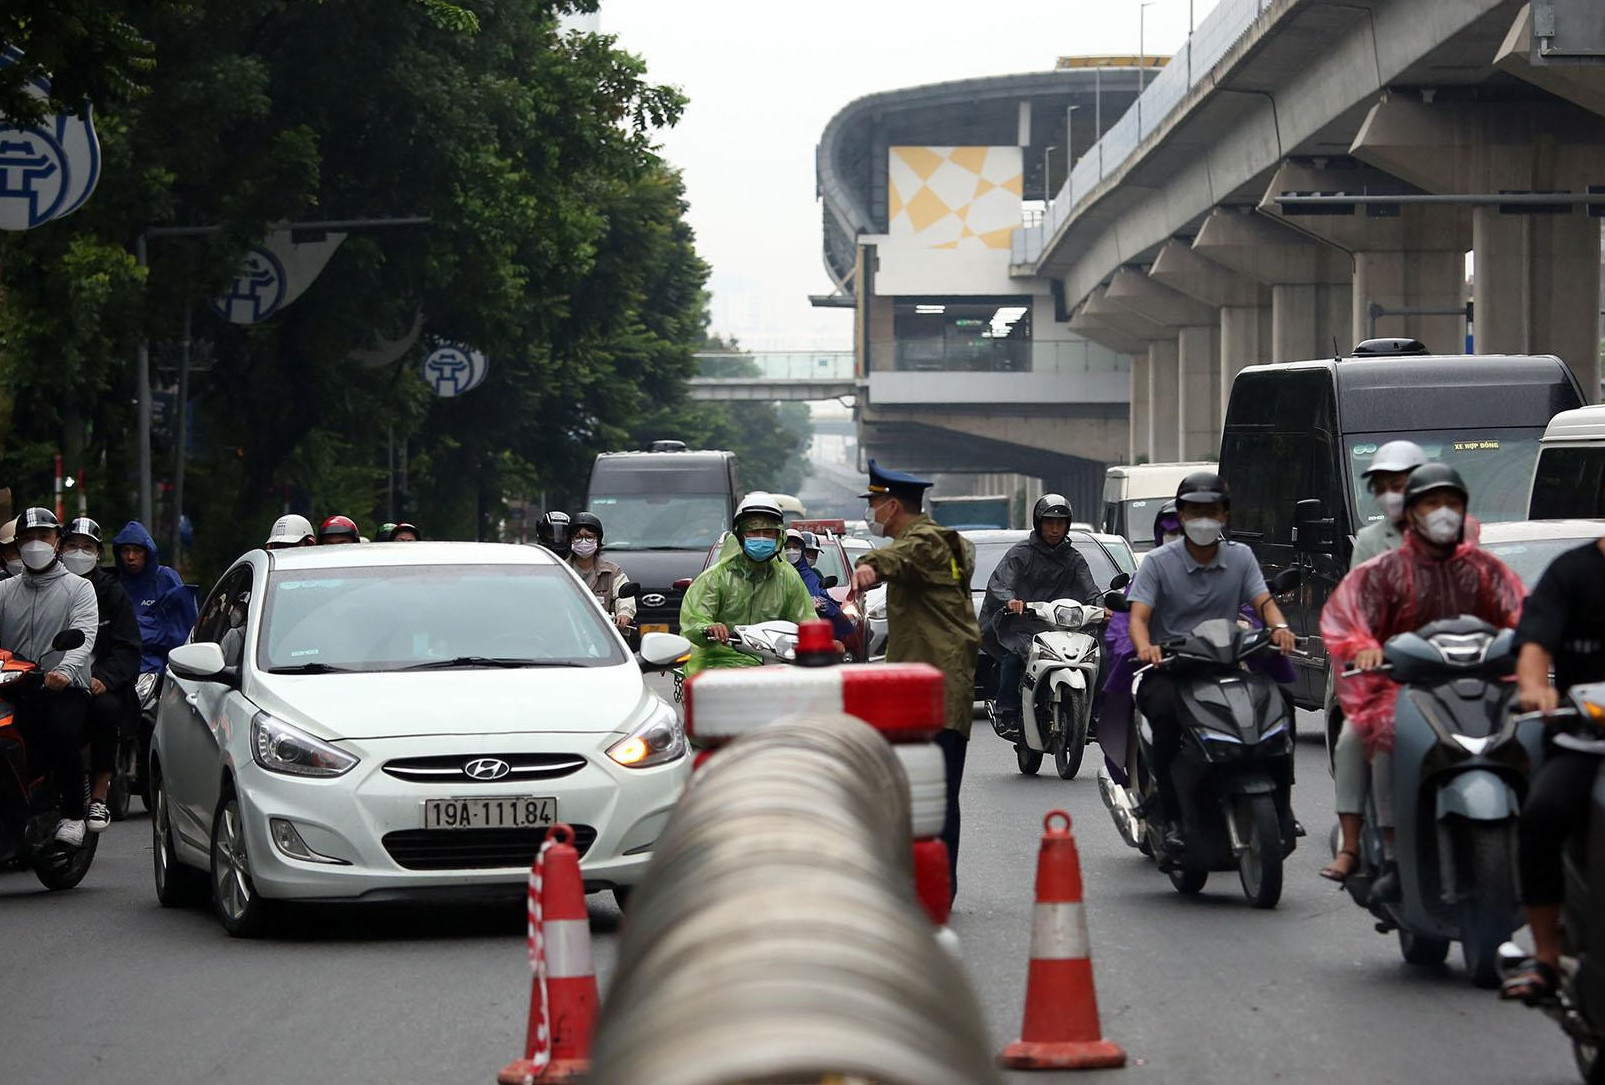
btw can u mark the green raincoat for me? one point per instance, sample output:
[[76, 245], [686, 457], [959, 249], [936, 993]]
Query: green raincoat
[[735, 590], [929, 614]]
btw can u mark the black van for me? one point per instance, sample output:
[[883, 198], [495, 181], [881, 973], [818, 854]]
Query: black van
[[661, 511], [1298, 436]]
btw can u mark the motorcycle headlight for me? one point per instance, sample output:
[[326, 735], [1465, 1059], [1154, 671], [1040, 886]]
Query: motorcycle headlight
[[658, 741], [145, 687], [279, 747]]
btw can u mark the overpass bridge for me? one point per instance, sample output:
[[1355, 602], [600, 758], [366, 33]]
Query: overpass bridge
[[767, 376]]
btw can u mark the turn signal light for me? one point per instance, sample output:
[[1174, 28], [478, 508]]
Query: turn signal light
[[630, 751]]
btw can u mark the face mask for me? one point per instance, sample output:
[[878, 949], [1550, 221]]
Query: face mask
[[876, 528], [1202, 532], [759, 549], [584, 548], [79, 562], [14, 567], [793, 555], [37, 555], [1392, 505], [1441, 526]]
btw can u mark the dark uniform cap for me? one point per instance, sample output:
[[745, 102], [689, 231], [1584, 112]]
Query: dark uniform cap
[[895, 483]]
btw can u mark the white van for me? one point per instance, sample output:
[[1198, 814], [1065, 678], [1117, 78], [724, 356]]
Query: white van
[[1569, 479], [1133, 493]]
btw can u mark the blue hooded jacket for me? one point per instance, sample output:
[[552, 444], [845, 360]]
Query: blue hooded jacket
[[832, 611], [164, 606]]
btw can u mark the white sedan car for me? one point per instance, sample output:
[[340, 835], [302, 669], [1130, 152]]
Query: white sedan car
[[400, 721]]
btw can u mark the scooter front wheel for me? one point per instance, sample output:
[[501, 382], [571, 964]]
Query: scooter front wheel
[[1029, 760], [1420, 949], [1189, 882], [1070, 743], [1259, 867]]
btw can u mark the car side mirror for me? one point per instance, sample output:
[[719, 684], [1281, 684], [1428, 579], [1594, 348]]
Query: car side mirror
[[1117, 602], [660, 651], [682, 584], [829, 582], [1287, 580], [200, 662], [67, 640], [629, 591], [1314, 532], [1119, 582]]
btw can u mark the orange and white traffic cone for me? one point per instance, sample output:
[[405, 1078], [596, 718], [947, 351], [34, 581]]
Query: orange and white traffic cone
[[563, 996], [1061, 1030]]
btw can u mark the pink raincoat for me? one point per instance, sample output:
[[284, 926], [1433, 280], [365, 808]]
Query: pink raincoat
[[1399, 592]]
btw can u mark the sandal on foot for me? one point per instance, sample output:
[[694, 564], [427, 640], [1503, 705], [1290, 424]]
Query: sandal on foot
[[1533, 982], [1331, 872]]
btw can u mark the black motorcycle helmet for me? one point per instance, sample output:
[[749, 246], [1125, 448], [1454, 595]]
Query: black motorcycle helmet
[[38, 517], [1054, 505], [552, 532], [587, 519], [1202, 488], [86, 527], [1434, 476]]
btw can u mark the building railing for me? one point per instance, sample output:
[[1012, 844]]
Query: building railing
[[777, 364], [935, 355], [1213, 38]]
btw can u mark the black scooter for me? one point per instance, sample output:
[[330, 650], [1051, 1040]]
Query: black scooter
[[1579, 1004], [1233, 775], [29, 802]]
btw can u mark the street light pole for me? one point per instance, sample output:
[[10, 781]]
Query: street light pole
[[1142, 46], [1070, 139], [1047, 179], [142, 394], [181, 438]]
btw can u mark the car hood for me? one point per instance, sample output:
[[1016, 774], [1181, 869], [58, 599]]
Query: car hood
[[476, 701], [656, 570]]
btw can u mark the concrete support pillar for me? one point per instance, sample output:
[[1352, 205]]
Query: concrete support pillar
[[1311, 320], [1537, 275], [1245, 340], [1410, 260], [1164, 403], [1141, 428], [1198, 378]]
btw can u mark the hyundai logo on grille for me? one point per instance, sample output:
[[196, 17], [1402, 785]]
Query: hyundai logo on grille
[[654, 600], [487, 768]]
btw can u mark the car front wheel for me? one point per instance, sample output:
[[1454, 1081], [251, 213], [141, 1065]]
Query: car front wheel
[[242, 911]]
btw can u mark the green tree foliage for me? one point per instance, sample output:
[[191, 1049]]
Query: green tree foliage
[[557, 245]]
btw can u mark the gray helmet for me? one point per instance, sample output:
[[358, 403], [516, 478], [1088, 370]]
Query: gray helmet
[[1434, 476], [1050, 505], [1396, 456]]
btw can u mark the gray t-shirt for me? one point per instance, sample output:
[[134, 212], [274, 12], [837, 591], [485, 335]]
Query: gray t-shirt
[[1184, 593]]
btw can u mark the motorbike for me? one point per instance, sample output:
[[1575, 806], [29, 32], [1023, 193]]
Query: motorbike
[[1461, 763], [1233, 774], [1578, 1006], [29, 802], [771, 643], [133, 747], [1056, 690]]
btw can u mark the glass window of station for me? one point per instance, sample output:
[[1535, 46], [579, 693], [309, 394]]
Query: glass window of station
[[984, 335]]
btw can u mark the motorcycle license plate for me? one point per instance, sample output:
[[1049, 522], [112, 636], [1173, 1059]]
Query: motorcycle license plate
[[490, 812], [653, 627]]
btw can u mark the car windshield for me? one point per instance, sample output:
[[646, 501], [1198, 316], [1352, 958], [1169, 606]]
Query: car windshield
[[387, 618], [1497, 465], [662, 521], [1528, 558], [1135, 520]]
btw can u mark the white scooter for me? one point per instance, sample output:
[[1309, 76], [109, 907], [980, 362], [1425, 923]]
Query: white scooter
[[1061, 676]]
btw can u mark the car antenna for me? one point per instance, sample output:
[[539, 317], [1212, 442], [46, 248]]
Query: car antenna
[[1337, 354]]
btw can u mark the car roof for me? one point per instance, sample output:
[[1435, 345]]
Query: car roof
[[1578, 424], [995, 534], [369, 555], [1145, 470], [1521, 530]]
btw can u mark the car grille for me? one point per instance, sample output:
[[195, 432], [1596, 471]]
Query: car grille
[[452, 769], [667, 614], [474, 849]]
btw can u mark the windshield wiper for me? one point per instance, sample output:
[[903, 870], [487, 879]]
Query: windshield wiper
[[507, 662], [311, 668]]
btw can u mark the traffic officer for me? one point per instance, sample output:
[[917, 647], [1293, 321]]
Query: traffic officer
[[930, 618]]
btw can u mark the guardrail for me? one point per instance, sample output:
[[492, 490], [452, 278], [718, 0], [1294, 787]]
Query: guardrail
[[775, 937], [1205, 47], [777, 364], [935, 355]]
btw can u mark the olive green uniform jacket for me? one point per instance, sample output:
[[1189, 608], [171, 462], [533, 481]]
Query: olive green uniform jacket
[[929, 613]]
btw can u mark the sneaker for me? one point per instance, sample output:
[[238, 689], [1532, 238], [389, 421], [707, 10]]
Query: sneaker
[[70, 833], [99, 817]]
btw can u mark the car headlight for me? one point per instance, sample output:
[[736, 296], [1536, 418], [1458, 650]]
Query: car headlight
[[278, 747], [659, 740]]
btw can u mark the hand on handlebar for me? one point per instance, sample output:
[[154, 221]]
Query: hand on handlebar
[[1016, 606], [1368, 659], [57, 681], [1543, 699], [1284, 640], [1152, 654], [718, 631]]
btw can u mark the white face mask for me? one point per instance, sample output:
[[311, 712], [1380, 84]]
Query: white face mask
[[793, 555], [876, 528], [37, 555], [584, 548], [1392, 505], [1441, 525], [15, 567], [1203, 532], [79, 562]]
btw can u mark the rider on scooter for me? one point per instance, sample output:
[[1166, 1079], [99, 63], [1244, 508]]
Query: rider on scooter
[[35, 607], [1438, 572], [1179, 585], [1562, 626], [1043, 567], [745, 586]]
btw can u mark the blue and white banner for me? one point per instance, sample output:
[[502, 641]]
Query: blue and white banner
[[46, 172], [272, 275], [452, 369]]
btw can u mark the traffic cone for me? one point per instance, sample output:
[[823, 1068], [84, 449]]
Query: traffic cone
[[1061, 1030], [932, 880], [563, 996]]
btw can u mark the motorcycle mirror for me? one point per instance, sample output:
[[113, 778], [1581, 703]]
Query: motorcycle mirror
[[829, 582], [629, 591], [1119, 582], [67, 640], [1286, 580], [1117, 602]]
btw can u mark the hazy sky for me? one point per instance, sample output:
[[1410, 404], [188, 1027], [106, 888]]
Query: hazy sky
[[764, 77]]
